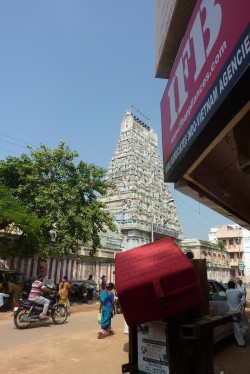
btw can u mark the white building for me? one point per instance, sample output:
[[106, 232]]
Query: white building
[[236, 240], [217, 259]]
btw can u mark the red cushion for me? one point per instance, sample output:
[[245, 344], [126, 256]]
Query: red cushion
[[155, 281]]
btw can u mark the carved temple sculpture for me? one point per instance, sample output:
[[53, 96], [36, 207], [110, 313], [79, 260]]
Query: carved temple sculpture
[[141, 203]]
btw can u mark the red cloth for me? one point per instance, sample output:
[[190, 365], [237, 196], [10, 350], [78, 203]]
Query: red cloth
[[155, 281]]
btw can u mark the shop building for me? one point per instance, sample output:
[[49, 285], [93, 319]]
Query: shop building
[[236, 241], [203, 49]]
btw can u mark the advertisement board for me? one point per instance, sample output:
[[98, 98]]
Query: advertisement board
[[152, 351], [246, 245], [213, 55]]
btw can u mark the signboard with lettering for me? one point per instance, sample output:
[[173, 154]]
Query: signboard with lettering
[[214, 54], [152, 351], [241, 266], [246, 244]]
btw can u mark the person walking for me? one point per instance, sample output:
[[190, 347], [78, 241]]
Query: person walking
[[103, 283], [64, 289], [107, 308], [3, 295], [234, 303], [91, 287], [242, 288]]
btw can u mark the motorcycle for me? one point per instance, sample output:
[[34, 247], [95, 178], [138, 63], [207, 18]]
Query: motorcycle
[[78, 292], [28, 312]]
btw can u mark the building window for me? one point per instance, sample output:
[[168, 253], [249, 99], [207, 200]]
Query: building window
[[190, 255], [231, 241]]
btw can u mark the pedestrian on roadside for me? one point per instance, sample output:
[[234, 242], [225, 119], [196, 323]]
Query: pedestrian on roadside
[[107, 308], [3, 295], [91, 287], [103, 283], [64, 289], [242, 288], [234, 303]]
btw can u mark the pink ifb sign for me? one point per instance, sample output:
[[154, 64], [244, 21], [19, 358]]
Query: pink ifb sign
[[214, 54]]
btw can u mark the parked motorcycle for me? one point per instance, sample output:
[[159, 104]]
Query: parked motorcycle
[[78, 292], [28, 312]]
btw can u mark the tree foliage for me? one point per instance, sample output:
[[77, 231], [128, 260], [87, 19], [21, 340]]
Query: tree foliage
[[221, 244], [62, 193], [21, 232]]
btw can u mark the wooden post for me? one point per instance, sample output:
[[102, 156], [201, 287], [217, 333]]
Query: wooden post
[[192, 356], [201, 270], [203, 362], [185, 356], [131, 367]]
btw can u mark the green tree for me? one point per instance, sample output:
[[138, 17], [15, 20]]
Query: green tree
[[21, 233], [221, 245], [64, 194]]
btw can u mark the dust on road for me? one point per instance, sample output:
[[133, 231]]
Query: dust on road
[[73, 352], [81, 352]]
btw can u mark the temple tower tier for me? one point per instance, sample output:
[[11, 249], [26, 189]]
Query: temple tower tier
[[141, 203]]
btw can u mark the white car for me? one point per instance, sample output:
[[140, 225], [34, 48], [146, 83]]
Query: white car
[[218, 305]]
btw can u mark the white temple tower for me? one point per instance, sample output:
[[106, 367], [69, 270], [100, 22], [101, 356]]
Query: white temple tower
[[141, 203]]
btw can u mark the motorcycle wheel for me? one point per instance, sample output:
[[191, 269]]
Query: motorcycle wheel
[[59, 314], [19, 319]]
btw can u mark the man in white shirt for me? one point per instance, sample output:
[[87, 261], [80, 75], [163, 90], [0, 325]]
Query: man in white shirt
[[235, 305], [242, 288]]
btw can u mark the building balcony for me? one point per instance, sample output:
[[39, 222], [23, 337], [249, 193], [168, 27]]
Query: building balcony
[[233, 262], [226, 234], [157, 229], [217, 265], [165, 231]]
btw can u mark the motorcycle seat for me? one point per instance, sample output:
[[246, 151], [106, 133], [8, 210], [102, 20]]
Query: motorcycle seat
[[27, 302]]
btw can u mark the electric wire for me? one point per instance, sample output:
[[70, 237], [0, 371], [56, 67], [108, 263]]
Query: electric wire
[[180, 206], [7, 141], [11, 137], [182, 209], [11, 151], [8, 150]]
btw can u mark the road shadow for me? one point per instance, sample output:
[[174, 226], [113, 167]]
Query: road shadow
[[126, 347]]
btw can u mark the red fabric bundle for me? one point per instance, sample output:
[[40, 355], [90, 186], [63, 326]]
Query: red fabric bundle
[[155, 281]]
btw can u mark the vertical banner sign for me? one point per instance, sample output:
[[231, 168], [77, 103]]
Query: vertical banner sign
[[246, 244], [213, 55]]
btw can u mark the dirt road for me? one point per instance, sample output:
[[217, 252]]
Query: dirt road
[[74, 348], [66, 349]]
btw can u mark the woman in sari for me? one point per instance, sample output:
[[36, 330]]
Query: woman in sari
[[107, 309], [64, 289]]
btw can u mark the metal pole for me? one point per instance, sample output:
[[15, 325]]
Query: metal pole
[[152, 229], [238, 242]]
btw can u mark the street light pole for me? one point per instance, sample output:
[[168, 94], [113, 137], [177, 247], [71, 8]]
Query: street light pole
[[152, 228], [152, 222], [238, 242]]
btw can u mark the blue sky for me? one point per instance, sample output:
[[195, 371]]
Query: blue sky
[[69, 69]]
